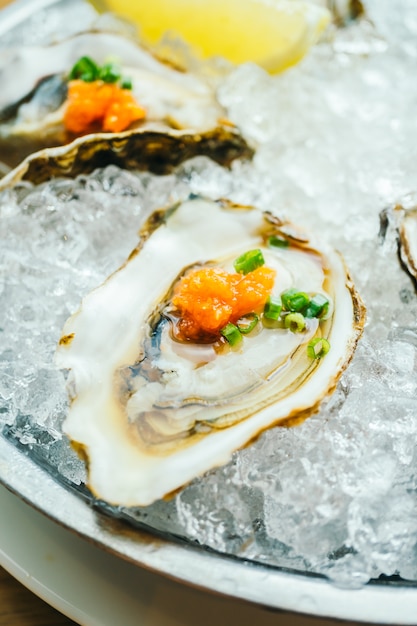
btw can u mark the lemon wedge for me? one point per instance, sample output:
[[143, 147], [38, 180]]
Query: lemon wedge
[[273, 33]]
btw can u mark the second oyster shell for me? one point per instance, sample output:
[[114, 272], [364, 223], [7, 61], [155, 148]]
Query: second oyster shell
[[34, 86]]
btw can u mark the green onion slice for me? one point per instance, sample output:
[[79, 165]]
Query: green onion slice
[[84, 69], [318, 307], [272, 308], [110, 73], [247, 323], [126, 82], [249, 261], [87, 70], [278, 242], [295, 322], [232, 334], [293, 300], [318, 348]]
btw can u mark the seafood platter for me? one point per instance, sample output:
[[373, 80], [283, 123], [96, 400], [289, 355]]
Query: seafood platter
[[208, 326]]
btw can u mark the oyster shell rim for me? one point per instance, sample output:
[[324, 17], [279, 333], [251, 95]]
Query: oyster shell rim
[[407, 258], [141, 149]]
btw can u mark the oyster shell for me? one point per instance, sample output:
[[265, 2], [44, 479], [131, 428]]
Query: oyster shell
[[149, 150], [151, 412], [407, 230], [345, 10], [34, 89]]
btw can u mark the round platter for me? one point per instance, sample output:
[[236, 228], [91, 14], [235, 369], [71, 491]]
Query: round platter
[[163, 568], [201, 569], [91, 586]]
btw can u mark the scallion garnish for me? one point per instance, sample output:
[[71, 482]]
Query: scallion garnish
[[278, 242], [272, 308], [318, 348], [318, 306], [295, 322], [110, 73], [126, 82], [293, 300], [232, 334], [249, 261], [85, 69], [247, 323]]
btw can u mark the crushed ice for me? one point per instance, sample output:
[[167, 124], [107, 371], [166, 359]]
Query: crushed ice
[[337, 145]]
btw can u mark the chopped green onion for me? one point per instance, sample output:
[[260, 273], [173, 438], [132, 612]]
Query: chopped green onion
[[286, 297], [295, 322], [319, 306], [247, 323], [272, 308], [85, 69], [293, 300], [231, 333], [126, 82], [110, 73], [249, 261], [318, 348], [278, 242]]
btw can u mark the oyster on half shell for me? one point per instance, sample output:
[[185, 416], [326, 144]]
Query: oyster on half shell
[[34, 91], [151, 411]]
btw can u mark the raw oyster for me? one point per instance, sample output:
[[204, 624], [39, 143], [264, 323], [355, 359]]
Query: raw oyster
[[151, 410], [34, 90]]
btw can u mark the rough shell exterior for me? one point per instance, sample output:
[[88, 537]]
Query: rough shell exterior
[[154, 151]]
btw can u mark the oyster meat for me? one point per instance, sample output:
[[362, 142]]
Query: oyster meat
[[34, 90], [155, 404]]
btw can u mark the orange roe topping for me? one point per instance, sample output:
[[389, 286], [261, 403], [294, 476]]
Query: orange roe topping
[[107, 105], [209, 298]]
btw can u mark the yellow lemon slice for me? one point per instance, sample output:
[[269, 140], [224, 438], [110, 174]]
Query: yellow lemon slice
[[273, 33]]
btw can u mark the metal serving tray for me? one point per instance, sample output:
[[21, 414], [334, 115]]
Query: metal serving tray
[[377, 602]]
